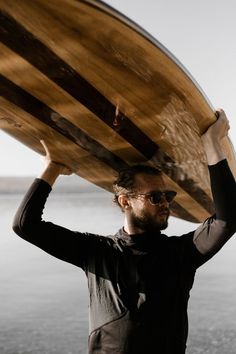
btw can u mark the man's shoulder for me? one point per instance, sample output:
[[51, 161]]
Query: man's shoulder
[[184, 241], [179, 238], [97, 238]]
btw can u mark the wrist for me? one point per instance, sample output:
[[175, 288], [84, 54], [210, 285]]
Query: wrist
[[213, 150], [53, 166], [51, 172]]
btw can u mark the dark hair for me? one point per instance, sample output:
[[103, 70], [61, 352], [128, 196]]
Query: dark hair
[[125, 181]]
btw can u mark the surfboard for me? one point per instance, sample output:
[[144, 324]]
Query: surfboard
[[104, 95]]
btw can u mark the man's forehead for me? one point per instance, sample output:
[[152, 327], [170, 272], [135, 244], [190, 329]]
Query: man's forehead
[[149, 180]]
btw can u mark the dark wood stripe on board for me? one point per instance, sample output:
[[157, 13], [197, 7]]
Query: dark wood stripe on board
[[17, 38], [179, 210], [45, 114]]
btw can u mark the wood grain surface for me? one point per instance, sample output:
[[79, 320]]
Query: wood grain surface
[[104, 95]]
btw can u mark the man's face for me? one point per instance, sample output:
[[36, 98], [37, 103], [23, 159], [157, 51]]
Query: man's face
[[143, 214]]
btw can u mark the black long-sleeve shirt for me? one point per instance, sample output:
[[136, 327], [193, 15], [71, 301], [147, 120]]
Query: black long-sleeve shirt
[[139, 285]]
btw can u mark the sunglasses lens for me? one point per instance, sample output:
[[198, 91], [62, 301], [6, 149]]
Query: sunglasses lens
[[170, 196], [155, 198]]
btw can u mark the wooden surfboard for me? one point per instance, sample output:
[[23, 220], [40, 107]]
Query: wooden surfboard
[[104, 95]]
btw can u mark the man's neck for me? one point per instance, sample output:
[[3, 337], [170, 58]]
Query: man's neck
[[131, 229]]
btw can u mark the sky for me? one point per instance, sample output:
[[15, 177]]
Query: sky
[[200, 34]]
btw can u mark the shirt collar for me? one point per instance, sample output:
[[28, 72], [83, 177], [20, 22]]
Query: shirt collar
[[140, 238]]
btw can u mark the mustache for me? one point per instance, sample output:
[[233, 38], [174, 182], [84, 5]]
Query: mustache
[[164, 209]]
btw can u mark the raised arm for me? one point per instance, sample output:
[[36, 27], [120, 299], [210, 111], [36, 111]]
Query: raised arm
[[58, 241], [213, 234]]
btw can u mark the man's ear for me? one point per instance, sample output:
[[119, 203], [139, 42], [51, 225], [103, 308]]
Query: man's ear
[[124, 201]]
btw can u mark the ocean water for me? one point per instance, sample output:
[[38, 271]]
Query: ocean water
[[44, 301]]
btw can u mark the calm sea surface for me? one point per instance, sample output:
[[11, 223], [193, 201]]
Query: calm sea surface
[[44, 302]]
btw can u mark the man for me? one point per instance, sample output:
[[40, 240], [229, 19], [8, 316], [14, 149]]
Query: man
[[139, 279]]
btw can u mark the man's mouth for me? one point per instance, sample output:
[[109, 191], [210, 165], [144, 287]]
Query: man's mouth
[[164, 212]]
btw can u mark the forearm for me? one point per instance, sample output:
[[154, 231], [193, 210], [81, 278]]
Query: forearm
[[212, 235], [29, 214], [223, 189]]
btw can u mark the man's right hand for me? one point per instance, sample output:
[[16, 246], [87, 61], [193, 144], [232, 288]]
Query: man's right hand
[[212, 138], [53, 168]]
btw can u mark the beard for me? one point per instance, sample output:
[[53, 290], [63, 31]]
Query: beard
[[148, 222]]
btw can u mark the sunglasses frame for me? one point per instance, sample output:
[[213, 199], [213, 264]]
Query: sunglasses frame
[[169, 196]]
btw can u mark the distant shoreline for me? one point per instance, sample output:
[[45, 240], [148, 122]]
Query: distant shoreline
[[65, 184]]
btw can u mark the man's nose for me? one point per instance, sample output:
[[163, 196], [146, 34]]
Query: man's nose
[[163, 201]]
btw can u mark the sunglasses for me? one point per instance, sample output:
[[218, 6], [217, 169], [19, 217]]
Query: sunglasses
[[156, 197]]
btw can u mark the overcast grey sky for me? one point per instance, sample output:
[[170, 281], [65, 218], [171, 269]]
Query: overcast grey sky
[[201, 34]]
